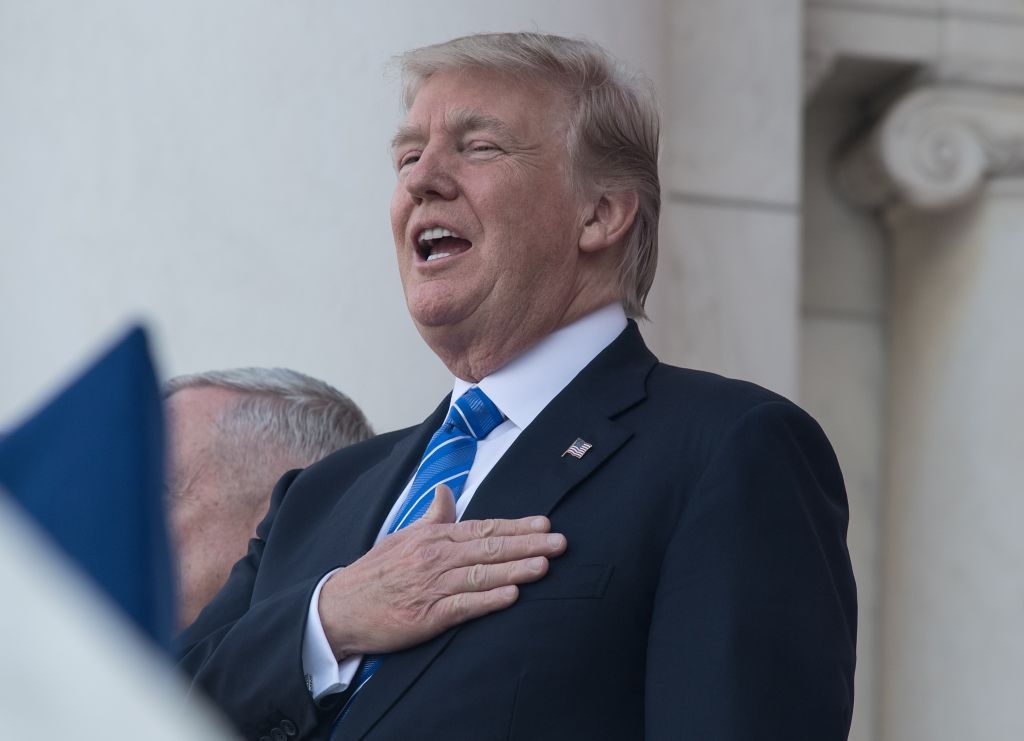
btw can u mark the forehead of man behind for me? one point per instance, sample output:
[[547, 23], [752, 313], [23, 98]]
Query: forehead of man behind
[[194, 442]]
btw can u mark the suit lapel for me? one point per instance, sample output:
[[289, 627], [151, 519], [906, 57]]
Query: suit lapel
[[530, 479], [534, 474]]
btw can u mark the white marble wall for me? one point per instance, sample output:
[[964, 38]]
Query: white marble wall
[[726, 296], [983, 9], [220, 170]]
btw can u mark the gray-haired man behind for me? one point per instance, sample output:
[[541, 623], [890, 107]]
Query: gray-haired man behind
[[232, 434]]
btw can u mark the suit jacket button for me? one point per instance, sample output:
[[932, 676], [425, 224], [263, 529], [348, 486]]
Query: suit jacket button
[[288, 727], [276, 734]]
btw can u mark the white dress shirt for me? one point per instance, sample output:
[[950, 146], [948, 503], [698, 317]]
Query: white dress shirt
[[520, 389]]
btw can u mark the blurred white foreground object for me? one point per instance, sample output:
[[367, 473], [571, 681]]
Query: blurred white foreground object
[[71, 667]]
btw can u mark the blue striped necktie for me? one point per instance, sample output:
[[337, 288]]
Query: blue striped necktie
[[447, 460]]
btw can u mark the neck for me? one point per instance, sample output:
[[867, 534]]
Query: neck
[[472, 355]]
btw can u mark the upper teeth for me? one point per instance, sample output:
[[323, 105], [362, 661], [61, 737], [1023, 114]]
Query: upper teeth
[[437, 232]]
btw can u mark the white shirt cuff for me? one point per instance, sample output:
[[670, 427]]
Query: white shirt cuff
[[324, 674]]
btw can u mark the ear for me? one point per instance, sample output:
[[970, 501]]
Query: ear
[[609, 220]]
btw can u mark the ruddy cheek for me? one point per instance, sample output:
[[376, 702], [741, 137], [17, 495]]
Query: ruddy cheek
[[400, 209]]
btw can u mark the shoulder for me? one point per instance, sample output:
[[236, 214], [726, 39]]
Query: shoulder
[[709, 400], [682, 412], [703, 412]]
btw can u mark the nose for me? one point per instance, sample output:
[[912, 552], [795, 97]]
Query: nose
[[431, 177]]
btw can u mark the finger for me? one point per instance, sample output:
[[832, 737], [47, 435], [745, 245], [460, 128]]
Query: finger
[[483, 577], [475, 529], [441, 510], [506, 548], [464, 606]]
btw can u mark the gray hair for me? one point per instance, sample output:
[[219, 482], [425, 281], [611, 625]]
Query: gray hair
[[305, 418], [613, 127]]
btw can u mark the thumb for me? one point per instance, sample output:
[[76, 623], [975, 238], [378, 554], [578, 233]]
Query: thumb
[[442, 509]]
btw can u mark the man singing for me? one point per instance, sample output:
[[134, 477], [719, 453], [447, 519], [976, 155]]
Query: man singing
[[581, 542]]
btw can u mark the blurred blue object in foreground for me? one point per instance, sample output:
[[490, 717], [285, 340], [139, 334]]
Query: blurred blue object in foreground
[[88, 468]]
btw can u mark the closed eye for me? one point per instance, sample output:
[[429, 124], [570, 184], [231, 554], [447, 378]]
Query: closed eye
[[484, 148], [408, 159]]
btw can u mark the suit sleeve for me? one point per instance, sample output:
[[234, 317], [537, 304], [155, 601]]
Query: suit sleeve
[[754, 624], [246, 656]]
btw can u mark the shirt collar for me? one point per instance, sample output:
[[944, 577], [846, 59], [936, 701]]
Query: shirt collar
[[527, 384]]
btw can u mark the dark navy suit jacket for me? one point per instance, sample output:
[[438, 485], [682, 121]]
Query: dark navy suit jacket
[[706, 592]]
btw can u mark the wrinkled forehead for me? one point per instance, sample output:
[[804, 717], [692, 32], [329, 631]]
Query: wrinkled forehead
[[455, 122], [457, 101], [195, 411]]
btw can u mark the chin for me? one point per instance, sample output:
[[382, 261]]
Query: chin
[[431, 309], [430, 316]]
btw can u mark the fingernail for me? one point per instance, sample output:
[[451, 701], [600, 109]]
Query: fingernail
[[539, 523], [536, 564], [555, 541]]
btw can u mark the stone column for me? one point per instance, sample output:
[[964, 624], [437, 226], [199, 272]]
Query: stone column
[[947, 165]]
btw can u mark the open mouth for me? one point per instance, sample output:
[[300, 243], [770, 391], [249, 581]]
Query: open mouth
[[437, 243]]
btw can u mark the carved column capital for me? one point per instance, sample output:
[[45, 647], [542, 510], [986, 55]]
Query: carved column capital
[[935, 146]]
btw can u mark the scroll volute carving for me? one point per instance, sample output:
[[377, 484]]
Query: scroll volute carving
[[935, 146]]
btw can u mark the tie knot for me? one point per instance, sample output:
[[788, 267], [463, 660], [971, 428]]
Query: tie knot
[[475, 414]]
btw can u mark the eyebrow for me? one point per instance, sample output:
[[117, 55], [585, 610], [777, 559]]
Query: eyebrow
[[457, 122]]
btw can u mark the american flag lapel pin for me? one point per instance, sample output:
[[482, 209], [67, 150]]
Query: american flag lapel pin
[[578, 449]]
